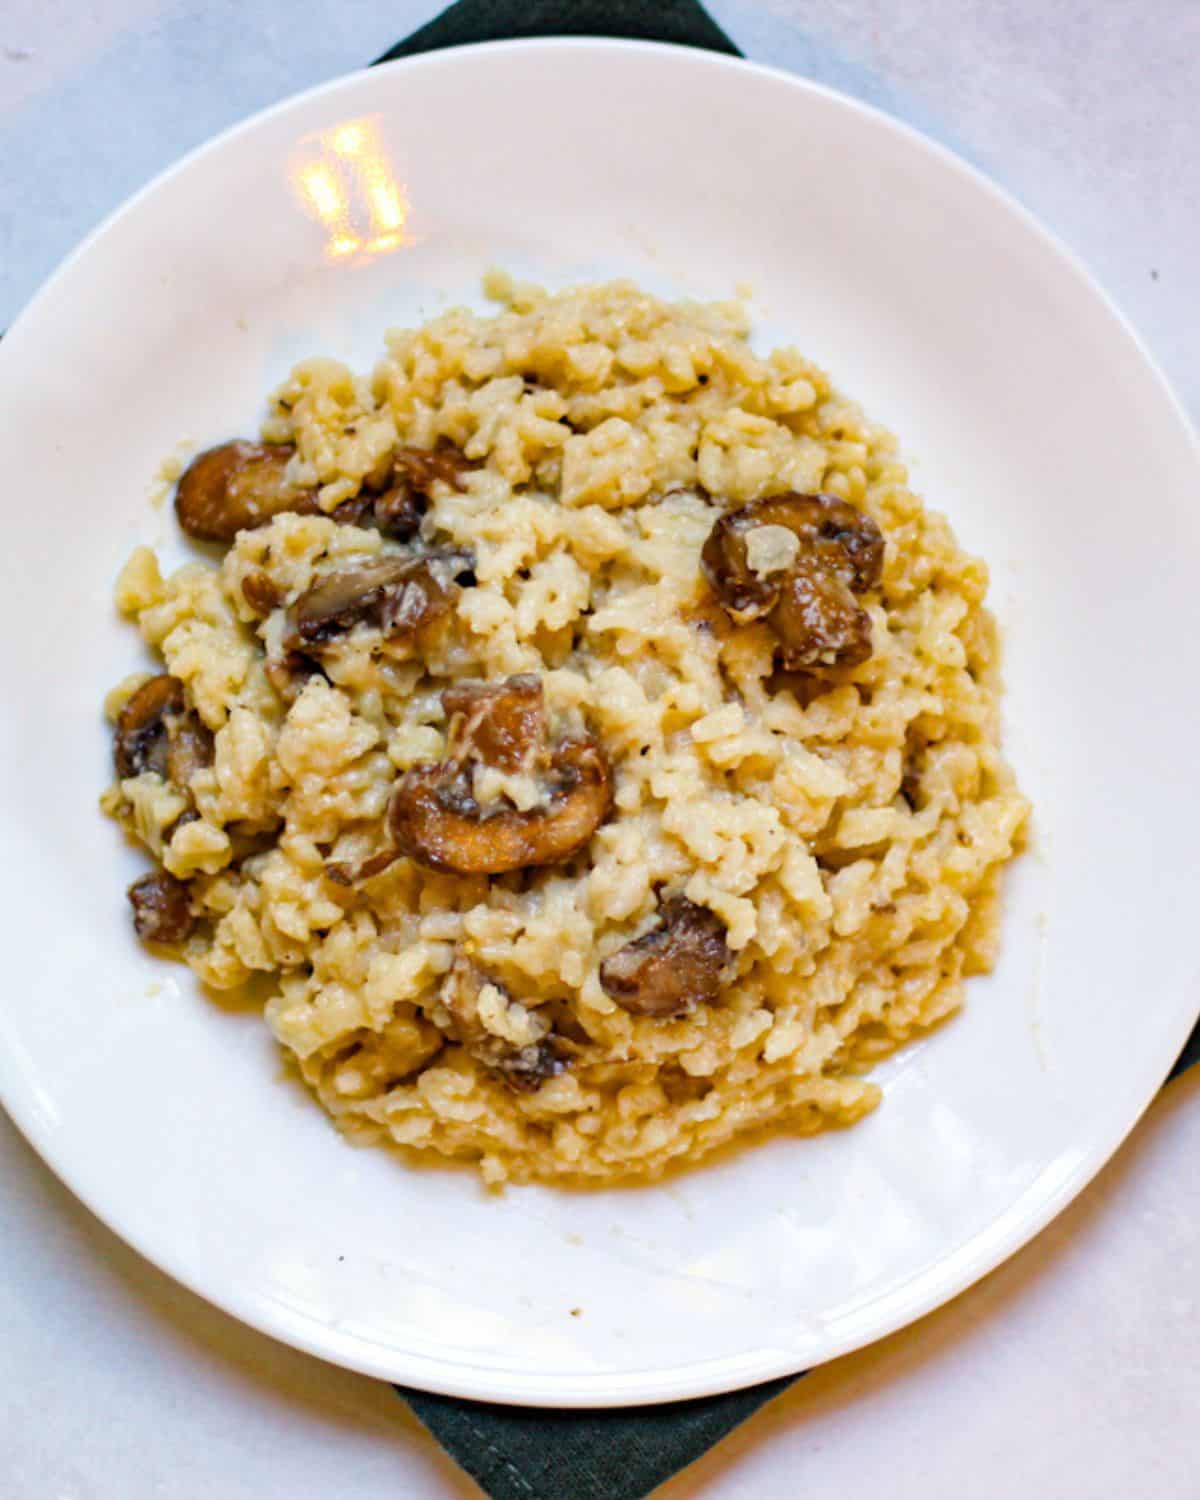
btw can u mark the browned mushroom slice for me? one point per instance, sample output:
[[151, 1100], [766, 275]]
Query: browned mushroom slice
[[817, 620], [798, 561], [155, 732], [398, 510], [523, 1068], [236, 487], [261, 592], [527, 1068], [397, 595], [424, 467], [501, 724], [672, 968], [162, 910], [913, 767], [435, 820], [190, 747], [353, 512], [142, 742], [289, 673]]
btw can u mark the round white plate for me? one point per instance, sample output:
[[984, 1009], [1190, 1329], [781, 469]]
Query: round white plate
[[1034, 420]]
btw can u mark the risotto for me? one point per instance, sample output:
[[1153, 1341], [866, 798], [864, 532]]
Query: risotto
[[586, 736]]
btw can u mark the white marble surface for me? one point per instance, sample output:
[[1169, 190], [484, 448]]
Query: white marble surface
[[1072, 1372]]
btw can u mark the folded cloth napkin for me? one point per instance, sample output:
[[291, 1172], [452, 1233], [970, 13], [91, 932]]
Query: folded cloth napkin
[[524, 1453], [535, 1453], [681, 21]]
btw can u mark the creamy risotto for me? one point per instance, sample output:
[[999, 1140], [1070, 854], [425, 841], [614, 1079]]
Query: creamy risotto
[[586, 735]]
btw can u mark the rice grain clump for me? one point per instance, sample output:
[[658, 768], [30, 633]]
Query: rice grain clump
[[587, 732]]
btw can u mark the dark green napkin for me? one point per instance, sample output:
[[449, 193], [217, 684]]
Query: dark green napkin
[[528, 1453], [681, 21], [1189, 1055], [537, 1453]]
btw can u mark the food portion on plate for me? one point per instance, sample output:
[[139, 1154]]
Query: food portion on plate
[[586, 736]]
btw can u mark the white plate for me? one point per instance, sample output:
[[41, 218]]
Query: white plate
[[1035, 420]]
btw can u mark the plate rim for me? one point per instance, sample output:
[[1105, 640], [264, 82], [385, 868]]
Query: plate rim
[[938, 1283]]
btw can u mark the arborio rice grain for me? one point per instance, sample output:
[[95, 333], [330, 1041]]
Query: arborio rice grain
[[841, 831]]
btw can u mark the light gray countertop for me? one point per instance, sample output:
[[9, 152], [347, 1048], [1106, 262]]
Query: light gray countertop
[[1073, 1372]]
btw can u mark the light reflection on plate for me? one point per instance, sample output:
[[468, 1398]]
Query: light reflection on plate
[[344, 179]]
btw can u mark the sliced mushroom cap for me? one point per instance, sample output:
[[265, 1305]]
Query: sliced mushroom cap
[[501, 724], [434, 818], [261, 592], [527, 1068], [398, 510], [240, 485], [805, 592], [288, 674], [236, 487], [818, 622], [141, 742], [397, 595], [155, 732], [425, 467], [162, 909], [524, 1068], [190, 747], [674, 967], [913, 767]]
